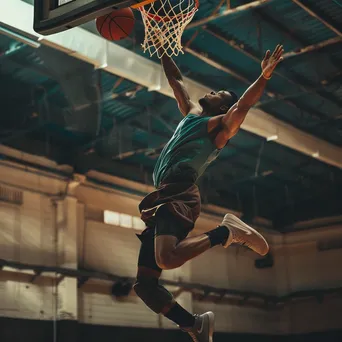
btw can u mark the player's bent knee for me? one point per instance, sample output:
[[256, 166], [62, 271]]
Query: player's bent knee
[[152, 294], [164, 251], [165, 261]]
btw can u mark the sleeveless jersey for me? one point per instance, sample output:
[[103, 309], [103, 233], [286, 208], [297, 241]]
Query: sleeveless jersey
[[189, 149]]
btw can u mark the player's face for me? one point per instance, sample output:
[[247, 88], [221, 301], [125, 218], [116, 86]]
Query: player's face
[[212, 101]]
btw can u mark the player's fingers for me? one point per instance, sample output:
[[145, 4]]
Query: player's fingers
[[278, 61], [279, 52], [275, 50], [267, 55], [280, 49]]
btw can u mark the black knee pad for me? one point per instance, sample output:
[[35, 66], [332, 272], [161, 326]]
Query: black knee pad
[[155, 296]]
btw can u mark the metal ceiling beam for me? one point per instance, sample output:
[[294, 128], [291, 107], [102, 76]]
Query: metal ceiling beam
[[309, 48], [276, 167], [274, 96], [251, 152], [288, 33], [313, 47], [304, 88], [117, 60], [226, 12], [315, 15], [19, 37]]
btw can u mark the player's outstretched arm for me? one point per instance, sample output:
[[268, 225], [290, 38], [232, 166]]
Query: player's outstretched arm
[[233, 119], [175, 79]]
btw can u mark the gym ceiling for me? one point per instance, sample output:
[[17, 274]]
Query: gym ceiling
[[58, 106]]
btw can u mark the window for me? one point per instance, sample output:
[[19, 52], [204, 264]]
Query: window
[[123, 220], [111, 217], [138, 223]]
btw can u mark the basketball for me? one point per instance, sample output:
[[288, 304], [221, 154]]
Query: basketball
[[116, 25]]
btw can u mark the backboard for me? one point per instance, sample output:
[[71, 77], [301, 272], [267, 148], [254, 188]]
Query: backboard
[[52, 16]]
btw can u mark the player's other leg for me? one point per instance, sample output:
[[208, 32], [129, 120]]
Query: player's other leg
[[161, 301], [173, 249], [172, 246]]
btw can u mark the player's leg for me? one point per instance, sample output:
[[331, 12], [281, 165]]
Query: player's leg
[[147, 287], [161, 301], [172, 250], [170, 253]]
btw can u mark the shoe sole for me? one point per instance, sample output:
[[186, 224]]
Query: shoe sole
[[229, 217]]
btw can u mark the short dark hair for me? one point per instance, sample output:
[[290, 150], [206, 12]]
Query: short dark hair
[[235, 98]]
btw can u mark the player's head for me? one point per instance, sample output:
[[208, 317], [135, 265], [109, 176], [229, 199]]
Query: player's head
[[216, 103]]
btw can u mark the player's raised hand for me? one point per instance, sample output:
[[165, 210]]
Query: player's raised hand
[[270, 62]]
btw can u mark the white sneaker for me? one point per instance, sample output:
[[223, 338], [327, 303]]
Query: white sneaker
[[203, 329], [244, 235]]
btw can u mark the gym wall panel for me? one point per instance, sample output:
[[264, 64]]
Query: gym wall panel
[[102, 309], [315, 315], [8, 296], [30, 179], [37, 230], [10, 229], [300, 265], [26, 236], [232, 268], [328, 267], [110, 249], [108, 199], [115, 250], [37, 301], [244, 319], [303, 272], [28, 233], [26, 300]]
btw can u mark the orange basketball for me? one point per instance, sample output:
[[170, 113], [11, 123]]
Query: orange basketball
[[116, 25]]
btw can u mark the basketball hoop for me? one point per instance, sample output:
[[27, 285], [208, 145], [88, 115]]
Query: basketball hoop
[[165, 21]]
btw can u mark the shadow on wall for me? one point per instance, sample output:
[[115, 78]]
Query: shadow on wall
[[18, 330]]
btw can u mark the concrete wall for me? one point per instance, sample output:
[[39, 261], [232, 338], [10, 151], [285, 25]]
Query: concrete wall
[[55, 227]]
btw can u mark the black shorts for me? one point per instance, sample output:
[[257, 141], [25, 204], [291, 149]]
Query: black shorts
[[169, 224], [181, 200], [166, 224]]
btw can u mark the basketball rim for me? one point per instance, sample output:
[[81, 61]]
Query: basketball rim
[[165, 18]]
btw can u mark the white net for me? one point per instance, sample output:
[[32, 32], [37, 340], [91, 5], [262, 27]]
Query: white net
[[165, 21]]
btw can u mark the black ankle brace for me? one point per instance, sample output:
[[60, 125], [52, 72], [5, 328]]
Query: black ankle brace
[[218, 236]]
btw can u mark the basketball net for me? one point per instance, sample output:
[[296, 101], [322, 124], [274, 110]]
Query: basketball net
[[165, 21]]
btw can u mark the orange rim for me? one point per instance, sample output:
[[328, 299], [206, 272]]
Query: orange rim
[[143, 3], [165, 19]]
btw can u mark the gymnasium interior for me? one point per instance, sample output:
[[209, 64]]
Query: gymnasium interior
[[82, 123]]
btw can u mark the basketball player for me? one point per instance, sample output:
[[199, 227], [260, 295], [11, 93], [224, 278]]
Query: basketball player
[[171, 211]]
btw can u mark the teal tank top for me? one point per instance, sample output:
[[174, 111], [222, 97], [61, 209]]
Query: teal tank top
[[188, 153]]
